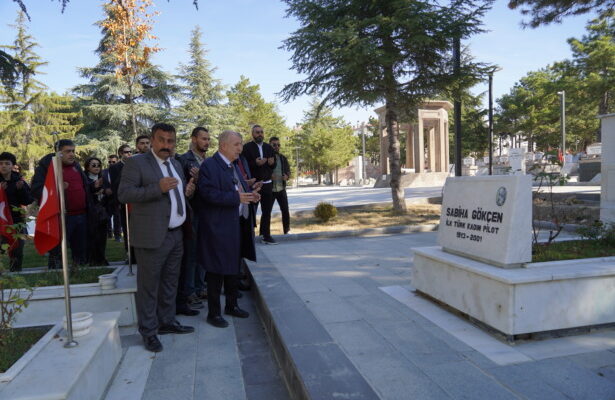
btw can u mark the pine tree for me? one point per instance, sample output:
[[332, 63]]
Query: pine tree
[[201, 95], [30, 115], [117, 107]]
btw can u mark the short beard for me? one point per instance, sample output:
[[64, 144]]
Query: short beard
[[258, 140]]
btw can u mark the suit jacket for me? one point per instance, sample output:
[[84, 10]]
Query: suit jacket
[[188, 160], [150, 208], [285, 167], [218, 245], [251, 153], [114, 178]]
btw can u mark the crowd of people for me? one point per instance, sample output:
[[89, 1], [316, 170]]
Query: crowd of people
[[189, 219]]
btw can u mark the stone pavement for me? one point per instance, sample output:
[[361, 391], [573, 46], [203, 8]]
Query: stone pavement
[[233, 363], [401, 353]]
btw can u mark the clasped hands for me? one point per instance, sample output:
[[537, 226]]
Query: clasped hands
[[261, 161], [169, 183]]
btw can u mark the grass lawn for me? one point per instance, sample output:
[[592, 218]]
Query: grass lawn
[[16, 343], [55, 278], [368, 216], [31, 259], [571, 250]]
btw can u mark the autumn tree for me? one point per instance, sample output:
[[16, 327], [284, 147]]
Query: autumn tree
[[129, 25]]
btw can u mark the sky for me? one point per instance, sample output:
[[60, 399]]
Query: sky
[[243, 37]]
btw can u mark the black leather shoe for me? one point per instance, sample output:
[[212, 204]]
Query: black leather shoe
[[236, 312], [175, 328], [217, 321], [187, 311], [152, 344], [243, 286]]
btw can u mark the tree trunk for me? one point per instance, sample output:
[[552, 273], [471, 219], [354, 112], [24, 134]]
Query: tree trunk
[[133, 115], [397, 192]]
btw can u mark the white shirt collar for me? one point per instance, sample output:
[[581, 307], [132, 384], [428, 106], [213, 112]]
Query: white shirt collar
[[226, 160], [160, 160]]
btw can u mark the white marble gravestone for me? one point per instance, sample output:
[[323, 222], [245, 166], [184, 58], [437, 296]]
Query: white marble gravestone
[[516, 159], [488, 218], [607, 170]]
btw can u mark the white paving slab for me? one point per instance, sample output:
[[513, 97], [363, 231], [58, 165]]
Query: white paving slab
[[131, 377], [497, 351]]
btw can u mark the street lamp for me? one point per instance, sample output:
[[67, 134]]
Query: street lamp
[[562, 97]]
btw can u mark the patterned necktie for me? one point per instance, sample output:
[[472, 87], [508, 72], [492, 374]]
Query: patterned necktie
[[178, 198], [245, 212]]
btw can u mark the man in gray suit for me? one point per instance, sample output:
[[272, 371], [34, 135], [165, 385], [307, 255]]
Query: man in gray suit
[[154, 185]]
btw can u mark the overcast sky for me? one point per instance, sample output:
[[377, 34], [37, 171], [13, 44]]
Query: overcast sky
[[243, 38]]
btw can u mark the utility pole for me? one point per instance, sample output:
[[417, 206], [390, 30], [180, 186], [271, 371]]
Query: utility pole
[[363, 128], [457, 104], [491, 123]]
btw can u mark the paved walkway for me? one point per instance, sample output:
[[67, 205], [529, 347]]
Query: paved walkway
[[405, 355]]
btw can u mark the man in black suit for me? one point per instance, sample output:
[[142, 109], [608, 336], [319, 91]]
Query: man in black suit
[[115, 176], [114, 229], [192, 280], [154, 184], [261, 160], [281, 174]]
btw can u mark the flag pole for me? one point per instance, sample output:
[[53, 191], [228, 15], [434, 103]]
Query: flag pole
[[130, 273], [70, 342]]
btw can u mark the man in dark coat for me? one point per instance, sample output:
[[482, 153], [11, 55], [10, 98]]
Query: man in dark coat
[[281, 174], [261, 160], [225, 198], [18, 194], [78, 202]]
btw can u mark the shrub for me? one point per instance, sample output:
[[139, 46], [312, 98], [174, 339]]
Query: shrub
[[325, 211]]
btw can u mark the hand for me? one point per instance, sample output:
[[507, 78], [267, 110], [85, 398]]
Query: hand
[[285, 177], [167, 184], [257, 186], [19, 184], [65, 185], [194, 172], [245, 198], [271, 160], [108, 192], [260, 161], [98, 183], [274, 177], [190, 187], [4, 185], [250, 182], [256, 197]]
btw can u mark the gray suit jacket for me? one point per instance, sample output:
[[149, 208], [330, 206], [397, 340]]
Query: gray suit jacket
[[150, 208]]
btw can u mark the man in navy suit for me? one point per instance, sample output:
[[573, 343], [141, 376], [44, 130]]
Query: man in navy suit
[[226, 199]]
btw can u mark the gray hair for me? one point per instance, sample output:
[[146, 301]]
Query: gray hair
[[226, 136]]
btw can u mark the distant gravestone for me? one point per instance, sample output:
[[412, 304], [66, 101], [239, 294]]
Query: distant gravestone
[[486, 218], [468, 161], [516, 159], [594, 149]]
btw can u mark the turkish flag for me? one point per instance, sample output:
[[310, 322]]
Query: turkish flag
[[6, 220], [47, 231]]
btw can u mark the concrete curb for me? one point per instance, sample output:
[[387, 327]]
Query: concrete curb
[[312, 363], [357, 232]]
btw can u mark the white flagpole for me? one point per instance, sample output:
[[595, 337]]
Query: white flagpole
[[57, 160], [130, 273]]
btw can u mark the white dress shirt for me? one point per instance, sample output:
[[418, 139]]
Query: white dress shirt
[[176, 219]]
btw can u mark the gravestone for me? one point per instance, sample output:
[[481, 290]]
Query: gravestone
[[516, 159], [488, 218]]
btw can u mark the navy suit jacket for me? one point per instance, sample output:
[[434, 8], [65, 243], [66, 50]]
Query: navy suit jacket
[[218, 238]]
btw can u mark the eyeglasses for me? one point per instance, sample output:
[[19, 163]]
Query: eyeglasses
[[94, 165], [275, 145], [112, 161], [258, 131], [128, 152]]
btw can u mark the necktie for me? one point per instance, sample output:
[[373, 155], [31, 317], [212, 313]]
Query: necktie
[[244, 211], [178, 198]]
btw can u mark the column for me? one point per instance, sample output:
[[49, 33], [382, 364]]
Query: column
[[410, 146], [607, 169], [419, 146], [432, 147]]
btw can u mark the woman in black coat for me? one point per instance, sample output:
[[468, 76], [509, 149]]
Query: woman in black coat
[[98, 218]]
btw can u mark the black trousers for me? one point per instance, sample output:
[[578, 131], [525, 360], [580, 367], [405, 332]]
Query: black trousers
[[214, 288], [266, 203], [282, 200], [97, 244]]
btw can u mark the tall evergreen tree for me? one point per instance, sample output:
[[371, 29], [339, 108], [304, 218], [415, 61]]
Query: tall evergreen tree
[[201, 95], [109, 103], [391, 51], [30, 114], [544, 12]]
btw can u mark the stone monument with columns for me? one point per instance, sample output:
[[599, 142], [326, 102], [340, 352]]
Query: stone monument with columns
[[427, 142]]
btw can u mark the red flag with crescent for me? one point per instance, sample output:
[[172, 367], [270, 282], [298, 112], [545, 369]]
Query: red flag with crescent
[[6, 220], [47, 231]]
